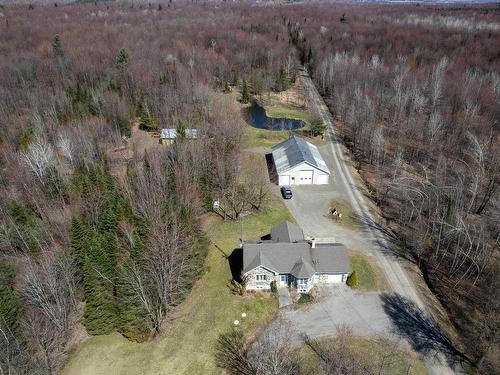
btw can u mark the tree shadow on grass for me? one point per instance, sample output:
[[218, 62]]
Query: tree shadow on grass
[[420, 330]]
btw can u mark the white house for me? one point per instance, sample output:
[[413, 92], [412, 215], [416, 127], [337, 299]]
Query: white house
[[290, 260], [168, 135], [299, 162]]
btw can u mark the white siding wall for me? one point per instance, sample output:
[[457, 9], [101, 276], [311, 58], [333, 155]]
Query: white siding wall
[[293, 175]]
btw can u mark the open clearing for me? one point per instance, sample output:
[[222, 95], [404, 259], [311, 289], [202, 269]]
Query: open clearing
[[186, 346], [373, 351]]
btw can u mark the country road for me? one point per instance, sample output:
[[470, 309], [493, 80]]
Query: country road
[[396, 276]]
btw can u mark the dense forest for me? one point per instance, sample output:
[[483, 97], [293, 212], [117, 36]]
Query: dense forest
[[99, 238]]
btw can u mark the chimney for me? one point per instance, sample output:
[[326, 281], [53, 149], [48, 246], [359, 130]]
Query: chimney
[[313, 243]]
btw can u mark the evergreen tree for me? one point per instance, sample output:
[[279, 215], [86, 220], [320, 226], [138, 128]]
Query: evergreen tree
[[227, 89], [122, 58], [245, 93], [78, 241], [283, 83], [10, 305], [57, 46], [181, 130], [147, 120], [100, 315]]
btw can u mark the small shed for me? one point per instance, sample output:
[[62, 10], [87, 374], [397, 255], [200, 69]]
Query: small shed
[[299, 162], [168, 136]]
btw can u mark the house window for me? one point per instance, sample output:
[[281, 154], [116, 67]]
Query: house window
[[302, 281], [261, 277]]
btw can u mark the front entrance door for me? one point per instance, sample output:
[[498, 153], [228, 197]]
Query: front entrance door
[[284, 279]]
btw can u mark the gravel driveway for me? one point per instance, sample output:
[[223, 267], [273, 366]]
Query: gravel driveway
[[338, 305]]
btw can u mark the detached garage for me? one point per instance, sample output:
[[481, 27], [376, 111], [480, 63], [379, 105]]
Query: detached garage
[[299, 162]]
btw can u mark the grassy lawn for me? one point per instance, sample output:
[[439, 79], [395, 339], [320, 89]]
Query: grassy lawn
[[371, 352], [369, 275], [349, 218], [186, 346], [264, 138], [267, 138], [278, 110]]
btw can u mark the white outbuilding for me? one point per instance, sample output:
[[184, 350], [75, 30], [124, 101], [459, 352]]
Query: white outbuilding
[[299, 162]]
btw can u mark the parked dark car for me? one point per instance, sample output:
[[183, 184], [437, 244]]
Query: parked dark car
[[286, 192]]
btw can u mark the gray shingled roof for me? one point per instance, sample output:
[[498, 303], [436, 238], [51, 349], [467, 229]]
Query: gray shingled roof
[[294, 151], [287, 232], [302, 269], [283, 257]]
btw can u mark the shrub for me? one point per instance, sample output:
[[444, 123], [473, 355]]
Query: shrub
[[274, 288], [318, 127], [305, 298], [352, 280]]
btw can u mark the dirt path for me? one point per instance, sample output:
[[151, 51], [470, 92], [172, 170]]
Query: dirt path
[[394, 272]]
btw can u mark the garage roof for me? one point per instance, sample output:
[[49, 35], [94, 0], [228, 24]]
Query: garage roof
[[294, 151], [287, 232]]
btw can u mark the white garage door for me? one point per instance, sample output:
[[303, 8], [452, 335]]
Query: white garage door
[[284, 180], [321, 179], [334, 278], [305, 177]]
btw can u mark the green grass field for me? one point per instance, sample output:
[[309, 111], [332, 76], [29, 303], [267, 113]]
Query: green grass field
[[369, 275], [264, 138], [278, 110], [187, 344], [267, 138], [371, 352]]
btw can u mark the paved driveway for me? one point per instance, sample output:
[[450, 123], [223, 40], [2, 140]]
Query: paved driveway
[[284, 297], [340, 305], [309, 206]]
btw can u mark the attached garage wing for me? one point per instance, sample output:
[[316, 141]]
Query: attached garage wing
[[327, 278], [284, 180], [321, 179], [306, 177]]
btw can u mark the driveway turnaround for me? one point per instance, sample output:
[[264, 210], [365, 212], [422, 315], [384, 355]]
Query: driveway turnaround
[[340, 305]]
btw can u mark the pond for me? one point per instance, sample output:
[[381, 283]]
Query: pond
[[259, 119]]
